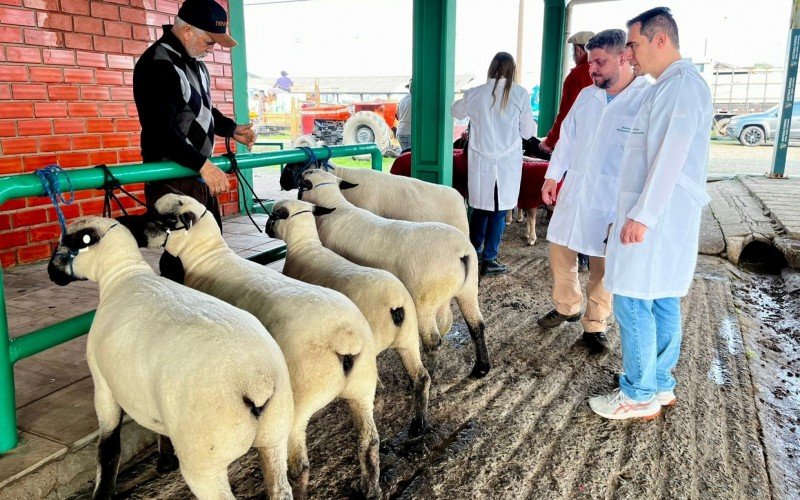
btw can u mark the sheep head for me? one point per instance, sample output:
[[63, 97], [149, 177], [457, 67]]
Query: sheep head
[[321, 188], [91, 245], [175, 218], [288, 213]]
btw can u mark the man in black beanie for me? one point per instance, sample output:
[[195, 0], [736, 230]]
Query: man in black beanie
[[172, 90]]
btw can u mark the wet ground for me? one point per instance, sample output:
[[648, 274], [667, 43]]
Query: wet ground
[[525, 430]]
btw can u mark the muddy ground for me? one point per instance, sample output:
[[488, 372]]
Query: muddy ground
[[526, 431]]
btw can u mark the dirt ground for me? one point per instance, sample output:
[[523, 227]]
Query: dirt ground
[[526, 431]]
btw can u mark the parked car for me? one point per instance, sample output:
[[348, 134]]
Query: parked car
[[754, 129]]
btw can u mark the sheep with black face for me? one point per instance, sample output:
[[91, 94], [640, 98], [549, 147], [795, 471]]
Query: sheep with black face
[[382, 298], [179, 362], [434, 261], [325, 339]]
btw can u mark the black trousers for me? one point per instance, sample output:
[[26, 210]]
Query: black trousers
[[169, 265]]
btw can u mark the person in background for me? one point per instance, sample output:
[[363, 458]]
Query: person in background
[[284, 83], [592, 138], [499, 115], [652, 248], [577, 80], [404, 120], [172, 91]]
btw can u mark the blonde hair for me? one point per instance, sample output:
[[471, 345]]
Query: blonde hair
[[502, 66]]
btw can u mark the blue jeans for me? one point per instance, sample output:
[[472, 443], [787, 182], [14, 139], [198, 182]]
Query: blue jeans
[[485, 231], [405, 141], [650, 333]]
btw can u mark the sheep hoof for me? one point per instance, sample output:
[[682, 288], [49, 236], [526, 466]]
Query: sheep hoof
[[480, 370], [531, 243], [418, 427], [167, 463]]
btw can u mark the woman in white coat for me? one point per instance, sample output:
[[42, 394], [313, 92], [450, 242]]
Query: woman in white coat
[[499, 113]]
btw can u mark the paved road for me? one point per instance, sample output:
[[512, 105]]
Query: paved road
[[730, 157]]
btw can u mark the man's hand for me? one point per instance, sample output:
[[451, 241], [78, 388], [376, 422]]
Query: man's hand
[[545, 148], [632, 232], [216, 179], [245, 134], [549, 190]]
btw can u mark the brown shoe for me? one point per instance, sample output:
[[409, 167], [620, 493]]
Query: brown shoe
[[555, 318]]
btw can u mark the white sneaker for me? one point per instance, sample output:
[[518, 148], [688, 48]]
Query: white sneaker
[[666, 398], [618, 406]]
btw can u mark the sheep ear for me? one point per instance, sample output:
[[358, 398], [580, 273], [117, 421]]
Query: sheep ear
[[346, 185], [318, 211], [187, 219]]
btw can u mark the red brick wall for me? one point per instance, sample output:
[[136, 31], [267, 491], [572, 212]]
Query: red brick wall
[[66, 97]]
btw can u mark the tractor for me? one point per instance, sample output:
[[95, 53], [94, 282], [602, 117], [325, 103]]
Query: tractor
[[355, 123]]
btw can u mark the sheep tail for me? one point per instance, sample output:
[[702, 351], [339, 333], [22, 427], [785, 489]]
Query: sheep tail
[[257, 395], [347, 345]]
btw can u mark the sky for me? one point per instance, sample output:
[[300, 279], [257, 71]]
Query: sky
[[373, 37]]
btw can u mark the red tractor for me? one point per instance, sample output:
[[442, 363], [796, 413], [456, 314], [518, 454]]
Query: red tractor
[[356, 123]]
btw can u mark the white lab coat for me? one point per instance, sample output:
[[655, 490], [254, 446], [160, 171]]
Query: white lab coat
[[663, 186], [495, 146], [588, 151]]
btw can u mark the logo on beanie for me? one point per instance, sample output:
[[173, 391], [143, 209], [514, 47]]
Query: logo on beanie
[[223, 24]]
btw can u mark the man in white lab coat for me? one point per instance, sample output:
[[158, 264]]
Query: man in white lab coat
[[652, 248], [588, 152]]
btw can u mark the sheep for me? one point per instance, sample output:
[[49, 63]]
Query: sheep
[[434, 261], [390, 196], [179, 362], [382, 298], [325, 339], [530, 193]]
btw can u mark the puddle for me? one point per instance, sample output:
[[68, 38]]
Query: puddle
[[729, 331], [717, 372]]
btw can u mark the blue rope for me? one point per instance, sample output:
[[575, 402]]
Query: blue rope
[[324, 163], [52, 188]]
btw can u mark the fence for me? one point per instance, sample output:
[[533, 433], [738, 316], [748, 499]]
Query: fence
[[22, 186]]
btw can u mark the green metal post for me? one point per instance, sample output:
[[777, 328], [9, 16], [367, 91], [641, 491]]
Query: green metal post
[[781, 146], [553, 32], [240, 97], [8, 410], [433, 69]]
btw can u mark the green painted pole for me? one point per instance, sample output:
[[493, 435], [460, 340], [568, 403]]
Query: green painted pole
[[433, 70], [53, 335], [781, 146], [240, 97], [21, 186], [8, 410], [555, 18]]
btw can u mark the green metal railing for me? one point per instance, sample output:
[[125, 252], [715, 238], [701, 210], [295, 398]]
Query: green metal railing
[[21, 186]]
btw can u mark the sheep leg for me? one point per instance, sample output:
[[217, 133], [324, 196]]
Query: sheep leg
[[444, 319], [530, 225], [167, 461], [429, 337], [298, 459], [208, 483], [509, 216], [109, 417], [468, 304], [412, 362], [368, 442], [273, 465], [520, 213]]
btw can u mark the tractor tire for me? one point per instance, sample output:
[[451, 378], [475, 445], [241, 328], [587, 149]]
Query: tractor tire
[[365, 127], [305, 141]]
